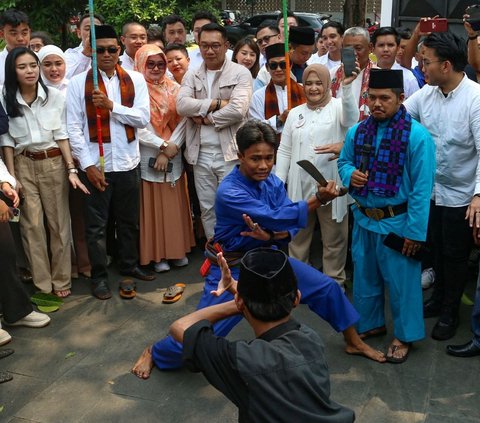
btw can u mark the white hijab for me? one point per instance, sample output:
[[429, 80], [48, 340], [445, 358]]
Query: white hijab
[[46, 51]]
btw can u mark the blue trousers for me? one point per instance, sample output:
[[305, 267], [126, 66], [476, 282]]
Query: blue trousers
[[377, 266], [320, 292]]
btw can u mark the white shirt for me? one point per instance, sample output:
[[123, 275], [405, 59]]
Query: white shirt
[[40, 127], [324, 60], [76, 61], [120, 155], [306, 129], [3, 57], [454, 123], [196, 58], [257, 105], [410, 83], [5, 176], [126, 61]]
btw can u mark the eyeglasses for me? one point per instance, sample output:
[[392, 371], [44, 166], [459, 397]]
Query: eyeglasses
[[111, 50], [265, 39], [214, 47], [153, 65], [274, 65]]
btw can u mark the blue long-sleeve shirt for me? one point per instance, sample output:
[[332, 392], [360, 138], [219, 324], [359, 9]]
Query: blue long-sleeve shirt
[[266, 202], [415, 189]]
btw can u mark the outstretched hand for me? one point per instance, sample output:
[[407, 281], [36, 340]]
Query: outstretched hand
[[255, 231], [227, 283]]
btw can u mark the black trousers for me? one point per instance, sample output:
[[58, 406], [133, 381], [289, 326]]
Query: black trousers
[[122, 196], [14, 300], [452, 241]]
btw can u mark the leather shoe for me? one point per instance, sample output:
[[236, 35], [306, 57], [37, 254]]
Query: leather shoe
[[101, 290], [139, 273], [466, 350], [431, 308], [445, 328]]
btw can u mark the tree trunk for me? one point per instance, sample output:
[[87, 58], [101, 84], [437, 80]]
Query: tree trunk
[[354, 13]]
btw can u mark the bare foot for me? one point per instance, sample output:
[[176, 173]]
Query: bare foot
[[62, 293], [357, 347], [365, 350], [144, 365]]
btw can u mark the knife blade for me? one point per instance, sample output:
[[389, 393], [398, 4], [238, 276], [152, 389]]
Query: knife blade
[[310, 168]]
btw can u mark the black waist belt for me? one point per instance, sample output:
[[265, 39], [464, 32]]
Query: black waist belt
[[383, 212]]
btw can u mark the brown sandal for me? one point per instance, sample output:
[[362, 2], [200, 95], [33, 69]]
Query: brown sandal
[[393, 348]]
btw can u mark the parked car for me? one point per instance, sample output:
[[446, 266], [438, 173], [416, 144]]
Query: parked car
[[249, 26]]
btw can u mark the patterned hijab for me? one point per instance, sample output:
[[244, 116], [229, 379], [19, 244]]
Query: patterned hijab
[[163, 94], [324, 75]]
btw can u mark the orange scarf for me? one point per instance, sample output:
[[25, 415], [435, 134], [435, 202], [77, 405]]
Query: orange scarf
[[127, 94]]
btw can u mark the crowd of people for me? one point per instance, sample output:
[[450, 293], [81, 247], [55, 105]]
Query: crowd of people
[[168, 144]]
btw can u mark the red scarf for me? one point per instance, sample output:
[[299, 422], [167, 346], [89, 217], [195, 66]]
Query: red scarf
[[127, 93], [362, 102], [271, 101]]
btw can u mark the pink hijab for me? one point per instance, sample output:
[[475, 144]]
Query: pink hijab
[[163, 94]]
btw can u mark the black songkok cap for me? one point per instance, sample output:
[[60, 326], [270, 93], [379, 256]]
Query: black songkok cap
[[105, 31], [275, 50], [265, 276], [386, 78], [301, 35]]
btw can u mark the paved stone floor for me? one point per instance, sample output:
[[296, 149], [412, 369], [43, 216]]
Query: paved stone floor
[[77, 368]]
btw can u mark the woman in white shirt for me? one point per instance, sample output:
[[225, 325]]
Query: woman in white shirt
[[166, 230], [322, 120], [37, 153]]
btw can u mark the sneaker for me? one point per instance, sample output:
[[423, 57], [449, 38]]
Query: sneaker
[[161, 266], [32, 320], [428, 278], [180, 262], [5, 337]]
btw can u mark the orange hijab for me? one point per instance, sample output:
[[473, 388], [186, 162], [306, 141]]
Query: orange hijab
[[163, 94]]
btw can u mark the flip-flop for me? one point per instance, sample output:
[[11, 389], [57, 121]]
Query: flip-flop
[[127, 289], [5, 377], [373, 333], [173, 293], [6, 352], [393, 348]]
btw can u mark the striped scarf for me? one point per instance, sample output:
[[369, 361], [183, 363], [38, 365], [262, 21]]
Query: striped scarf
[[271, 101], [387, 165], [127, 93]]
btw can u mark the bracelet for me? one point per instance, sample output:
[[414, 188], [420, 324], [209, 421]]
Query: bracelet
[[317, 196], [219, 104], [72, 170]]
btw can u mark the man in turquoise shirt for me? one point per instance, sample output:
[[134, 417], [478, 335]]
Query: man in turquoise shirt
[[392, 195]]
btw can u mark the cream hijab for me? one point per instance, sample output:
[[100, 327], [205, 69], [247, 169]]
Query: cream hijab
[[324, 75]]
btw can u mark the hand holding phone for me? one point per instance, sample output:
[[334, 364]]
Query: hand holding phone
[[433, 25], [348, 60], [474, 16], [151, 163]]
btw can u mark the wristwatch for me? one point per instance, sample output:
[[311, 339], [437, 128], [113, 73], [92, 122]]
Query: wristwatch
[[164, 145]]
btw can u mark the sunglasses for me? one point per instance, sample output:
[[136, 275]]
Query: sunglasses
[[265, 40], [111, 50], [153, 65], [274, 65]]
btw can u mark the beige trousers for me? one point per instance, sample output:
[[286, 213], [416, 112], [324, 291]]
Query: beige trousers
[[45, 186], [334, 239]]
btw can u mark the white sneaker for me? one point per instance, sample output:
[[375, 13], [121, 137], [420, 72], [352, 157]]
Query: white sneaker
[[161, 266], [5, 337], [32, 320], [428, 278], [180, 262]]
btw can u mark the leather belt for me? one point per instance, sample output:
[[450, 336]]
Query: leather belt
[[383, 212], [41, 155]]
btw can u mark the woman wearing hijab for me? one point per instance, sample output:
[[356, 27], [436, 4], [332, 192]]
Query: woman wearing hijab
[[166, 231], [53, 67], [322, 120]]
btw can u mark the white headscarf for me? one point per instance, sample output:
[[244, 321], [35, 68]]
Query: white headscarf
[[46, 51]]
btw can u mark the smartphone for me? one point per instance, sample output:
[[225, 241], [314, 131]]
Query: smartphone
[[16, 214], [434, 25], [152, 160], [395, 242], [348, 60], [474, 19]]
